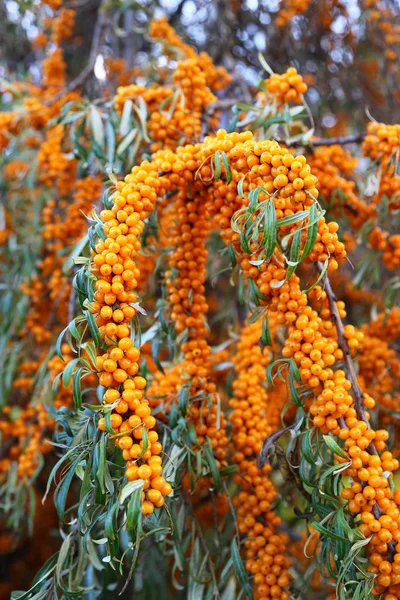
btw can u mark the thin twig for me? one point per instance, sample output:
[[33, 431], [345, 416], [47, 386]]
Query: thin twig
[[94, 50], [231, 507], [347, 139], [348, 361], [225, 103]]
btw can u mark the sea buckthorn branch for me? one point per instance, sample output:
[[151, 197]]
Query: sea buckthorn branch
[[62, 223], [116, 277], [348, 361], [367, 480], [263, 201], [265, 545], [357, 392], [341, 140]]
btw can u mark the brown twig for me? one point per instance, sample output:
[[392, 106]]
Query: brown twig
[[6, 447], [94, 50], [357, 393], [347, 139], [348, 361]]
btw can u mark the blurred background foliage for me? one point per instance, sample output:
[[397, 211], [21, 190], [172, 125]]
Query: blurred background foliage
[[346, 49]]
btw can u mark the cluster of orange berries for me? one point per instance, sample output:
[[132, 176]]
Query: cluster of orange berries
[[119, 72], [379, 368], [291, 9], [194, 79], [217, 78], [330, 166], [116, 273], [337, 156], [186, 295], [8, 127], [26, 429], [54, 4], [15, 171], [63, 25], [379, 14], [381, 141], [55, 167], [49, 290], [253, 418], [287, 179], [54, 69], [191, 165], [185, 284], [386, 326], [286, 88], [334, 412], [388, 244], [327, 245], [153, 96], [162, 31], [391, 255], [41, 40]]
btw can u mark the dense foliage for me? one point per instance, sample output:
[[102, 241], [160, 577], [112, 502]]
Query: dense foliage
[[200, 322]]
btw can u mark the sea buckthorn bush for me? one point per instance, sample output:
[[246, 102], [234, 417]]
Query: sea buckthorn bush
[[200, 322]]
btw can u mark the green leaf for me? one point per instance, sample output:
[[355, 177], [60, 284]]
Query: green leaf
[[312, 231], [240, 187], [334, 446], [145, 441], [110, 523], [126, 142], [76, 388], [294, 370], [94, 330], [61, 491], [321, 275], [255, 315], [240, 571], [294, 254], [134, 510], [291, 219], [227, 167], [129, 488], [217, 166], [328, 532], [155, 346], [244, 107], [212, 464], [59, 343], [110, 137], [40, 577], [253, 199], [126, 114], [68, 371], [101, 463], [270, 227], [64, 550], [96, 125], [266, 331]]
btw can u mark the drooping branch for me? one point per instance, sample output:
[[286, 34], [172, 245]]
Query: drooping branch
[[347, 139], [347, 359], [343, 345]]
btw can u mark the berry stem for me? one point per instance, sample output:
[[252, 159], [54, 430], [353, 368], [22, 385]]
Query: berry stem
[[348, 361]]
